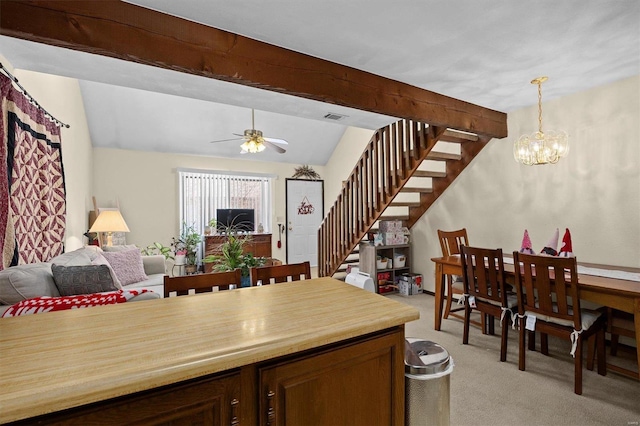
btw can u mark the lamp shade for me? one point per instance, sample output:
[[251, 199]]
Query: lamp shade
[[109, 221]]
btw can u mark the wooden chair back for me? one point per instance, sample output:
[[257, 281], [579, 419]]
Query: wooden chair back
[[280, 273], [201, 283], [548, 285], [483, 274], [483, 280], [450, 241]]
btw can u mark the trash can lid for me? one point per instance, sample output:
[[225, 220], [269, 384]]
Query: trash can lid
[[424, 357]]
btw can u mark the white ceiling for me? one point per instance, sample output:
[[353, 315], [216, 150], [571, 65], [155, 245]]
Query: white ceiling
[[484, 52]]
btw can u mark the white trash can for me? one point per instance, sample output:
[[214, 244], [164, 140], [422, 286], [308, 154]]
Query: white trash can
[[427, 368]]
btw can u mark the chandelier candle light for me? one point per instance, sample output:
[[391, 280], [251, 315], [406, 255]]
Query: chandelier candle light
[[541, 147]]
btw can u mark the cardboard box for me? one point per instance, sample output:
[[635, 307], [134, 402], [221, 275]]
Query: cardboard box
[[411, 284], [404, 288], [392, 238], [394, 226]]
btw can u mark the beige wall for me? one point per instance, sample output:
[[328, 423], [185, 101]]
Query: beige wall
[[145, 185], [342, 161], [594, 191], [61, 97]]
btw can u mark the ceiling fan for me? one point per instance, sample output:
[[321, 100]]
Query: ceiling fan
[[255, 142]]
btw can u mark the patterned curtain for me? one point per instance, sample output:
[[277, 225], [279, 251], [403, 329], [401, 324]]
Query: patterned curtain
[[32, 189]]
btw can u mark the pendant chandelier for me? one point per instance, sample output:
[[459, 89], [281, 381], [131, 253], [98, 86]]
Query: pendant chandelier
[[541, 147]]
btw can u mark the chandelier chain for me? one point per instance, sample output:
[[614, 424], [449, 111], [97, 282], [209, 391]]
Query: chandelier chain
[[540, 106]]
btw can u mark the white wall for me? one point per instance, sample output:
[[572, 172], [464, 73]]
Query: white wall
[[594, 191], [61, 97], [145, 185]]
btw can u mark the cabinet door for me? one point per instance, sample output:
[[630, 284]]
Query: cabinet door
[[209, 401], [358, 384]]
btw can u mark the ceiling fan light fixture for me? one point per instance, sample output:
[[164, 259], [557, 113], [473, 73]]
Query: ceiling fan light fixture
[[252, 146]]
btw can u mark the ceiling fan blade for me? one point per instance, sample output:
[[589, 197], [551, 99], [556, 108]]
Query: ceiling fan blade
[[275, 140], [226, 140], [277, 148]]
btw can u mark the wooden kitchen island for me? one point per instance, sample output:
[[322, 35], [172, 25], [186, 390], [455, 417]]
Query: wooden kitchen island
[[310, 352]]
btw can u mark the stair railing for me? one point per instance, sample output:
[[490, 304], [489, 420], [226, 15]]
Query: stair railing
[[392, 155]]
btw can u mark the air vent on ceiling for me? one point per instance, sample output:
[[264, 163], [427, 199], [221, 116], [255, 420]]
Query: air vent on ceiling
[[334, 116]]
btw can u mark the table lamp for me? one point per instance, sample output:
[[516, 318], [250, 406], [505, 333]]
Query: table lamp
[[109, 221]]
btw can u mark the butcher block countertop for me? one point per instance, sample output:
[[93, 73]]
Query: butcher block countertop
[[58, 360]]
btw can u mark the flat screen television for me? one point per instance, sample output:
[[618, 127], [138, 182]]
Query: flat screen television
[[242, 220]]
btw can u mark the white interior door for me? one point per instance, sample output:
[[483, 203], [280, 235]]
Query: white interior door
[[305, 211]]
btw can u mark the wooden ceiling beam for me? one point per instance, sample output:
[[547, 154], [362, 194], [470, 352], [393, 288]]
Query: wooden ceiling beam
[[132, 33]]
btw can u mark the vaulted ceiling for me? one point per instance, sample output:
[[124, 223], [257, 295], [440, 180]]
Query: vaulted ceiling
[[484, 53]]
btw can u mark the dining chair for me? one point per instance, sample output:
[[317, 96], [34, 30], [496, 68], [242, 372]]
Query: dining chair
[[549, 303], [485, 290], [450, 242], [201, 283], [620, 323], [280, 273]]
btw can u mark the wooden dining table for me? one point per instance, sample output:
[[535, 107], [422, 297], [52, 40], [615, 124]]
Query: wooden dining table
[[615, 293]]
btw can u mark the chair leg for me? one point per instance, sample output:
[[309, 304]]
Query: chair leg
[[467, 318], [578, 368], [532, 339], [491, 327], [447, 307], [503, 342], [614, 344], [591, 352], [602, 353], [544, 343], [521, 348]]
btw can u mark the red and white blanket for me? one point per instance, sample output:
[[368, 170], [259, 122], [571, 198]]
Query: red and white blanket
[[49, 304]]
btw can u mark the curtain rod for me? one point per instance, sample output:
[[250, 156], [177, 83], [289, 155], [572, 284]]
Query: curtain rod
[[31, 99]]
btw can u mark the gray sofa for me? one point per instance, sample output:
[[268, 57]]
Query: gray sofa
[[23, 282]]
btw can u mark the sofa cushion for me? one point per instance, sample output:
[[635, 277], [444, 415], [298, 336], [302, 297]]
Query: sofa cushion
[[85, 279], [81, 256], [23, 282], [127, 265], [101, 260]]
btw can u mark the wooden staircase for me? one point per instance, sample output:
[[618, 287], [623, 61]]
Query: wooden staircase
[[389, 167]]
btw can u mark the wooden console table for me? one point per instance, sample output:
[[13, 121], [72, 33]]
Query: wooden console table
[[231, 357], [259, 246]]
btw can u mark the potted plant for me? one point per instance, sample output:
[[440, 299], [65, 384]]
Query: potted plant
[[157, 248], [232, 256], [187, 244], [211, 226]]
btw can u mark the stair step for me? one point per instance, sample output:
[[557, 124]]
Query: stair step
[[443, 156], [350, 261], [394, 217], [404, 204], [459, 137], [429, 173], [416, 189]]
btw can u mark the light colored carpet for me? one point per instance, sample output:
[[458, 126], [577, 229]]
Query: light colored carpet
[[485, 391]]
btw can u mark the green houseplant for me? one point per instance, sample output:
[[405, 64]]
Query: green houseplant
[[187, 244], [232, 256], [157, 248]]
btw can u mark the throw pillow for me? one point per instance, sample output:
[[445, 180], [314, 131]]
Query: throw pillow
[[127, 264], [101, 260], [77, 257], [119, 248], [85, 279]]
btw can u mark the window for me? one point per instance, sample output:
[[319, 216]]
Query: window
[[202, 192]]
